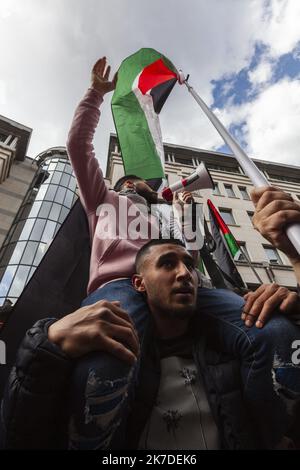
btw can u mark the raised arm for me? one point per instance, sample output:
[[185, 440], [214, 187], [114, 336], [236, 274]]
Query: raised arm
[[80, 140]]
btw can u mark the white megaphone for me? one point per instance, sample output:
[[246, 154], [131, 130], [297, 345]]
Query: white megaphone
[[200, 179]]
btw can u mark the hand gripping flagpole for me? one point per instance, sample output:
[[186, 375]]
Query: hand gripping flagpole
[[249, 167]]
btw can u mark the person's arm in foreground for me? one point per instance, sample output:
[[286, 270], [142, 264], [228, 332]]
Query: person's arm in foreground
[[80, 140], [34, 412], [274, 211]]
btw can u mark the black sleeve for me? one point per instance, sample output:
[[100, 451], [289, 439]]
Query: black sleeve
[[34, 411]]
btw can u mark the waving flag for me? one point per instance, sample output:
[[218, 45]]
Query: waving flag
[[145, 80], [226, 247]]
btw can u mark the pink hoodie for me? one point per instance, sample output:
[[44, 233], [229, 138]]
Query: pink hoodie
[[111, 258]]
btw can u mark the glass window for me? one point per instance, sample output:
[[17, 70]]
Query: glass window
[[45, 209], [35, 208], [56, 177], [216, 190], [229, 190], [51, 192], [69, 198], [244, 193], [63, 214], [241, 256], [250, 214], [227, 216], [24, 213], [72, 184], [17, 231], [68, 169], [272, 255], [60, 195], [52, 166], [49, 231], [55, 211], [19, 281], [29, 253], [6, 281], [65, 179], [30, 274], [6, 254], [17, 254], [38, 229], [60, 166], [42, 192], [27, 229], [42, 248]]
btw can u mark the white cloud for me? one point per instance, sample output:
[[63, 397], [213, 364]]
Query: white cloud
[[261, 74], [272, 128], [280, 26]]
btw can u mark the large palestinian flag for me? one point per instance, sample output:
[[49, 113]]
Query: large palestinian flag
[[145, 80]]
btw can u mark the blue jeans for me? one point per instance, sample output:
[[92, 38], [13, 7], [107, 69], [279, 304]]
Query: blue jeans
[[101, 383]]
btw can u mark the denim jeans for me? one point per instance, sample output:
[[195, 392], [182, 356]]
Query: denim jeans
[[101, 383]]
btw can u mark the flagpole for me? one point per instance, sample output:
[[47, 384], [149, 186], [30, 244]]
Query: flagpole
[[249, 167], [250, 264]]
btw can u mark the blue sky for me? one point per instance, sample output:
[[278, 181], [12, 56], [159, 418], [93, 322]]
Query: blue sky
[[243, 58]]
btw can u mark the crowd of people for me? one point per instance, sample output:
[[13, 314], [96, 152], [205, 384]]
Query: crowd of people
[[155, 359]]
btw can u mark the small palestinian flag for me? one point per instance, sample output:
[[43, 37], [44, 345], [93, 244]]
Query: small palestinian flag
[[145, 80], [226, 248]]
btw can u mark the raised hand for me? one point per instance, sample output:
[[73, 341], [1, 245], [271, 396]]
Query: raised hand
[[100, 77]]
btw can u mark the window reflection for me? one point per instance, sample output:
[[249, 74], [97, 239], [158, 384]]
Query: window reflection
[[45, 209], [52, 166], [69, 198], [29, 253], [37, 229], [17, 231], [55, 210], [72, 184], [35, 208], [63, 214], [60, 166], [42, 192], [19, 281], [56, 177], [48, 232], [18, 251], [42, 248], [60, 195], [65, 179], [27, 229], [6, 255], [7, 280], [51, 192]]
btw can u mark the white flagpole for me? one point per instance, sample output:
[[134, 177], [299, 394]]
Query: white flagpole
[[249, 167]]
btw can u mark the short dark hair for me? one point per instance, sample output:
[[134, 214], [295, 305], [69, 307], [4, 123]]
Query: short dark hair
[[118, 185], [146, 248]]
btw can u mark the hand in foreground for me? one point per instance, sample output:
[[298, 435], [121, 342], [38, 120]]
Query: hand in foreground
[[275, 210], [265, 301], [103, 326], [100, 77]]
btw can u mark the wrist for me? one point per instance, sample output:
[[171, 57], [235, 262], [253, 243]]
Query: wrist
[[53, 334]]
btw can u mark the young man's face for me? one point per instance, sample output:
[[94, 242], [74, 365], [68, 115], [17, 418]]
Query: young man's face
[[142, 188], [169, 279]]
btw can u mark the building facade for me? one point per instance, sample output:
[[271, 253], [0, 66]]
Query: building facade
[[16, 171], [231, 196], [45, 206]]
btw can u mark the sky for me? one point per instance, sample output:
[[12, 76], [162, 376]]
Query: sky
[[243, 57]]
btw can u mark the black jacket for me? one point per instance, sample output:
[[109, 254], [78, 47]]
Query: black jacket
[[34, 411]]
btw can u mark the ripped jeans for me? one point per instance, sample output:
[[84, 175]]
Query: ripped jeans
[[102, 385]]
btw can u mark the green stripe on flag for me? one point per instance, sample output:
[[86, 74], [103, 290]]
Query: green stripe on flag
[[232, 244]]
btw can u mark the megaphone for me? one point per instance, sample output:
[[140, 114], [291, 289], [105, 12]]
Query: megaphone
[[199, 179]]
